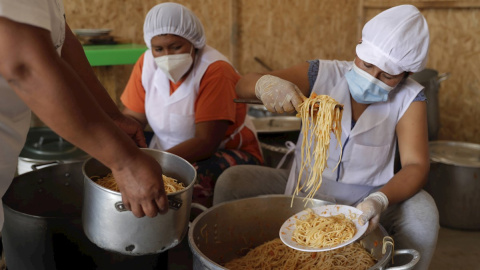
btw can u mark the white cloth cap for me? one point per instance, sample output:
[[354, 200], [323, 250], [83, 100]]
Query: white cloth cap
[[173, 18], [396, 40]]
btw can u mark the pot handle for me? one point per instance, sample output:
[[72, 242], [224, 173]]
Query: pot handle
[[173, 204], [416, 257], [50, 163], [203, 209], [199, 206]]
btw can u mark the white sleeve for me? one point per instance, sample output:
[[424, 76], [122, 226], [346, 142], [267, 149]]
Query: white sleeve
[[32, 12]]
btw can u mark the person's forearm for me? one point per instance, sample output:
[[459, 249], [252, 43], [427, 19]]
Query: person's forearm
[[75, 115], [74, 55], [59, 97], [408, 181], [194, 149], [245, 87], [141, 118], [297, 75], [207, 139]]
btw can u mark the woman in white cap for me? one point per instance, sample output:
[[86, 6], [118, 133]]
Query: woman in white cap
[[381, 106], [184, 89]]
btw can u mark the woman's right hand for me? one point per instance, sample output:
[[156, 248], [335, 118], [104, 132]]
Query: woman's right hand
[[141, 184], [278, 95]]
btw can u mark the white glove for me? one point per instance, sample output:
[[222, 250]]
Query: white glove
[[278, 95], [372, 206]]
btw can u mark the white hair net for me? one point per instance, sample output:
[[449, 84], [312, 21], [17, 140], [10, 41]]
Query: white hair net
[[396, 40], [172, 18]]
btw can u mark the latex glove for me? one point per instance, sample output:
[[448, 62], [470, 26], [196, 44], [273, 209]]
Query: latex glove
[[278, 95], [372, 206]]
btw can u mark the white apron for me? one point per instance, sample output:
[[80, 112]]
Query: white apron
[[14, 113], [373, 136], [172, 117]]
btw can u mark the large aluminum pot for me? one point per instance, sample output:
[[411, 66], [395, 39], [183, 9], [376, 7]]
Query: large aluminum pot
[[454, 183], [219, 234], [107, 224], [430, 79], [43, 227], [44, 147]]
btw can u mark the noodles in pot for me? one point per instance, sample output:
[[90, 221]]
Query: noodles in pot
[[108, 181], [316, 231], [276, 255]]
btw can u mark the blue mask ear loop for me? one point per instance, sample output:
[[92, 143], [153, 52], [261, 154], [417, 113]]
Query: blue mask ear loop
[[341, 157]]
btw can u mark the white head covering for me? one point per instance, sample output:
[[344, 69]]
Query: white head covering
[[172, 18], [396, 40]]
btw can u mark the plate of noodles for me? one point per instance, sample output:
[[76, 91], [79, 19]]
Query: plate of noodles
[[322, 228]]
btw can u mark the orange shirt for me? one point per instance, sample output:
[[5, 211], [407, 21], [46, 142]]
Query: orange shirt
[[214, 101]]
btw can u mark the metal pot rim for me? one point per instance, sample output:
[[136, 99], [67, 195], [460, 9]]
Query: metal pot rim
[[117, 193], [463, 154]]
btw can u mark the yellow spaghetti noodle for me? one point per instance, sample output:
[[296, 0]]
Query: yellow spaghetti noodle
[[320, 115], [276, 255], [108, 181], [317, 231]]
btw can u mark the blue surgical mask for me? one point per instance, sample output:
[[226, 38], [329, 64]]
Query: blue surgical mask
[[365, 88]]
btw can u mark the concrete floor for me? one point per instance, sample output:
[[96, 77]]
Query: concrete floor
[[457, 250]]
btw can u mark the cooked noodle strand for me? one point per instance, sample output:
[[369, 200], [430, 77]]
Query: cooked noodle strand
[[276, 255], [108, 181], [317, 231], [320, 115]]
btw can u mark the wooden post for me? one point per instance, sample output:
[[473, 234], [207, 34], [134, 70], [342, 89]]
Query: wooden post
[[234, 35]]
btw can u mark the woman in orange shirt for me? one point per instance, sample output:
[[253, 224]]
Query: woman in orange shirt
[[184, 89]]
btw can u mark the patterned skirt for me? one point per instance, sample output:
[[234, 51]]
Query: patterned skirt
[[208, 171]]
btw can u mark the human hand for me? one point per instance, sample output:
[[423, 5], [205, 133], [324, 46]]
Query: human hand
[[278, 95], [372, 206], [133, 129], [141, 185]]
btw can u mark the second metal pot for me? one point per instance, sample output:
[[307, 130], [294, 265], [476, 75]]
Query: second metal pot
[[453, 182], [110, 227], [44, 148], [222, 232]]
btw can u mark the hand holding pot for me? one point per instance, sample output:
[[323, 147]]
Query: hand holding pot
[[372, 206], [141, 185]]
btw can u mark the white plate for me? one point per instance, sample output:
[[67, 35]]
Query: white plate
[[350, 212]]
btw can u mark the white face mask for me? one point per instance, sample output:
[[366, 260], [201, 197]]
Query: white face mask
[[175, 65]]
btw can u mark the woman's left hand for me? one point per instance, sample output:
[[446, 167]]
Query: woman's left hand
[[372, 206], [133, 129]]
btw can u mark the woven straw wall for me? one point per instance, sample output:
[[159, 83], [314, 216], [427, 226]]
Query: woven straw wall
[[281, 33]]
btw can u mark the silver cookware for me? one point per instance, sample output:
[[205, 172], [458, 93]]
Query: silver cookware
[[453, 182], [44, 147], [109, 226], [219, 234], [43, 226]]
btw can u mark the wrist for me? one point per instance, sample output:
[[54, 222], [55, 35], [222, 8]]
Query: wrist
[[379, 197]]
